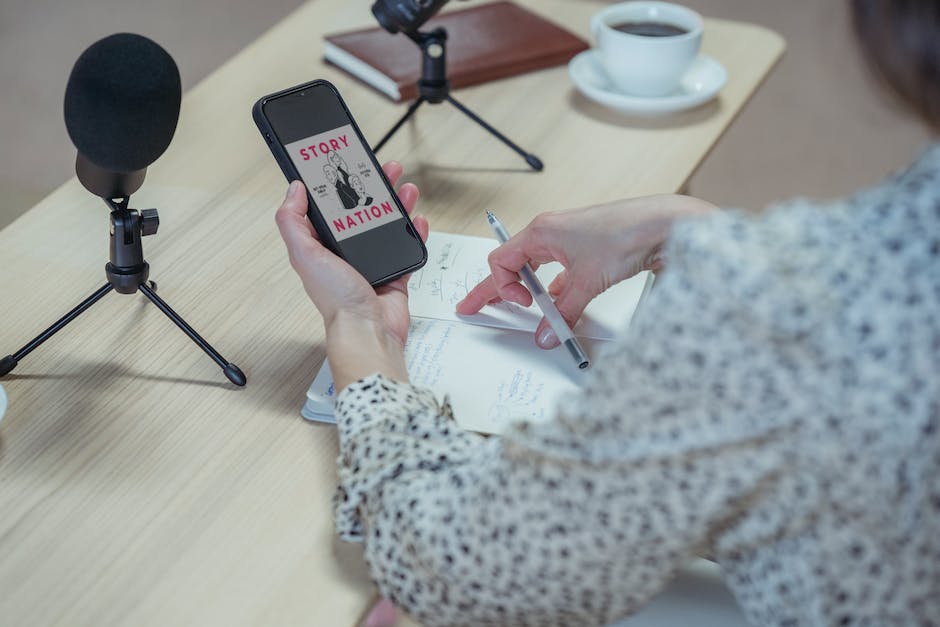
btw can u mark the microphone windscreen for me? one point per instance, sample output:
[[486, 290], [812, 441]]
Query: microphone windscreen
[[122, 102]]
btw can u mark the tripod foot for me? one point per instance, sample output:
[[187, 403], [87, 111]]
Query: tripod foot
[[234, 374], [230, 370], [534, 162], [7, 364]]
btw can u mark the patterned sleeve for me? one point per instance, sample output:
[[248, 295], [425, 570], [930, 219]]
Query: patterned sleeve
[[580, 520]]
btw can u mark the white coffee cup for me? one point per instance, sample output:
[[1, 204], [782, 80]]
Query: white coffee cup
[[3, 402], [644, 65]]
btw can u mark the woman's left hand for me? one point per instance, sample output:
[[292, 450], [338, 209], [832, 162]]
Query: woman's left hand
[[355, 314]]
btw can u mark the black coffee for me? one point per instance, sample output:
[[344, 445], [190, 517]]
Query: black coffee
[[650, 29]]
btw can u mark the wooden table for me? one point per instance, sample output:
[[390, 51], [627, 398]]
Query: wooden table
[[137, 486]]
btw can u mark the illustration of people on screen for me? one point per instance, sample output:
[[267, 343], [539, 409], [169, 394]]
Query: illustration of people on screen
[[364, 199], [340, 164], [330, 173], [347, 195]]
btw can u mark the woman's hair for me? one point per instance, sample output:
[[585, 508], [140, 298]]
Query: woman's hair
[[901, 39]]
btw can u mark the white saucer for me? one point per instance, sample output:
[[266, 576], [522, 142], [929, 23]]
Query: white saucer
[[703, 80]]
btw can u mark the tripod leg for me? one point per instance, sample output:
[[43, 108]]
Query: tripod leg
[[410, 112], [9, 362], [534, 162], [232, 372]]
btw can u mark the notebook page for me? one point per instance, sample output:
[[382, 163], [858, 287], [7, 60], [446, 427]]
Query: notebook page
[[456, 263], [491, 376]]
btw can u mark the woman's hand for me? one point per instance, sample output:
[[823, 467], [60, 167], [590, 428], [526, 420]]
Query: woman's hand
[[598, 246], [382, 614], [366, 328]]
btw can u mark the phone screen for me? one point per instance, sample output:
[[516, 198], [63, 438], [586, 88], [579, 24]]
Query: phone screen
[[362, 214], [340, 176]]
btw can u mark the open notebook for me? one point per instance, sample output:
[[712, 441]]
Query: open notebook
[[488, 364]]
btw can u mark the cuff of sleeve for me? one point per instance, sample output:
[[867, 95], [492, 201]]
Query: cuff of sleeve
[[377, 399], [384, 427]]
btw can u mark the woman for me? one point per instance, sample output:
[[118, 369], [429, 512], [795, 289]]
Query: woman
[[365, 199], [774, 405]]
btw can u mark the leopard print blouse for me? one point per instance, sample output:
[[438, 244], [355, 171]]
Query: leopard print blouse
[[775, 405]]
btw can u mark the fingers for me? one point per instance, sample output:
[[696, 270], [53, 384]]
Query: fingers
[[291, 218], [502, 284], [401, 284], [506, 261], [295, 201], [393, 170], [570, 304], [422, 226], [382, 614], [408, 194], [557, 286], [481, 294]]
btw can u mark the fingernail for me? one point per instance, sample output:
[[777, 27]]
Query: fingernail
[[547, 338], [292, 188], [383, 614]]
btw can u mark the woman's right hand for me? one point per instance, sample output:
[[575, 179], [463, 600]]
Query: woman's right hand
[[598, 246]]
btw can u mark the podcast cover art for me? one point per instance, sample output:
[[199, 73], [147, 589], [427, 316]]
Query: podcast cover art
[[342, 180]]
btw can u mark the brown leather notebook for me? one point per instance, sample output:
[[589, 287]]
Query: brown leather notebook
[[484, 42]]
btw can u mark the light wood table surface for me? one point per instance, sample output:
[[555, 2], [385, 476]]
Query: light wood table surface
[[138, 487]]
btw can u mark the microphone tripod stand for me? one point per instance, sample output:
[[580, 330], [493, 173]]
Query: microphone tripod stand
[[127, 273], [434, 88]]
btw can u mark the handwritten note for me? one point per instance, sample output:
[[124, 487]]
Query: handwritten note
[[492, 377], [487, 364], [456, 263]]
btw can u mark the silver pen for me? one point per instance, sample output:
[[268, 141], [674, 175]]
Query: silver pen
[[544, 300]]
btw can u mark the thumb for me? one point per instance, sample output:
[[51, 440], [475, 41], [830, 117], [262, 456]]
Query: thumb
[[291, 218], [295, 202], [570, 304]]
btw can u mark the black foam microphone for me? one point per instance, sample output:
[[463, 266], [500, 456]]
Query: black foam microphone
[[121, 107], [122, 104]]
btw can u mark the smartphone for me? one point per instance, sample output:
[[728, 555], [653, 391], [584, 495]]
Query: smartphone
[[351, 203]]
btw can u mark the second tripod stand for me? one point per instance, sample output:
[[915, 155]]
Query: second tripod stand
[[434, 88]]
